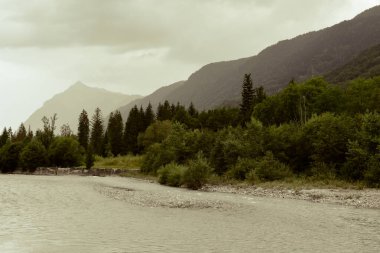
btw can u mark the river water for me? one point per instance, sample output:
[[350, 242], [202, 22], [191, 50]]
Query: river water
[[92, 214]]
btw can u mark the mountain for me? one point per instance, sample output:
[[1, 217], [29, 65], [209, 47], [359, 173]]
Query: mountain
[[154, 98], [302, 57], [70, 103], [366, 65]]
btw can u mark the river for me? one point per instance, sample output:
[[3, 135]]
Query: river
[[72, 214]]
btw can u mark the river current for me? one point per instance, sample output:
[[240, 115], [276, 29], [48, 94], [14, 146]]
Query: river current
[[69, 214]]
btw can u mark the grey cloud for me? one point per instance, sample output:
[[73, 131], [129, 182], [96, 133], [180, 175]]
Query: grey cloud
[[196, 31]]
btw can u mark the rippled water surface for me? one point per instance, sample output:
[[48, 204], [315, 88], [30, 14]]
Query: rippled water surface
[[89, 214]]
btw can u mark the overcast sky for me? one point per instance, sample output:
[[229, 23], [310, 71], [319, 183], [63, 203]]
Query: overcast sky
[[137, 46]]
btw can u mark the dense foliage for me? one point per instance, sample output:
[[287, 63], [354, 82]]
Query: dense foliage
[[312, 129]]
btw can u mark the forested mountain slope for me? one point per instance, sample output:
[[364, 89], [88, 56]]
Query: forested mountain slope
[[366, 65], [302, 57]]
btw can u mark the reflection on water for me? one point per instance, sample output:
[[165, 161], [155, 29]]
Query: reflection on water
[[73, 214]]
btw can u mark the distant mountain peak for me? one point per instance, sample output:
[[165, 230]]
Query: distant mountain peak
[[78, 84], [69, 104]]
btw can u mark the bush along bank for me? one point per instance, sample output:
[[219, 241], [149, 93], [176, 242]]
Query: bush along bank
[[311, 130]]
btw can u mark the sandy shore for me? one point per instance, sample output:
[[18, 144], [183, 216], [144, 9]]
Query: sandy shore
[[366, 198], [163, 196]]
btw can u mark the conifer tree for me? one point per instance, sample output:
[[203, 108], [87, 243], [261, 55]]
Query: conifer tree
[[164, 111], [259, 95], [4, 138], [21, 133], [173, 111], [115, 133], [246, 107], [131, 131], [90, 159], [192, 111], [148, 116], [141, 120], [83, 129], [97, 130], [30, 134]]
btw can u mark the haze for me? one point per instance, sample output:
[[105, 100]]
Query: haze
[[135, 46]]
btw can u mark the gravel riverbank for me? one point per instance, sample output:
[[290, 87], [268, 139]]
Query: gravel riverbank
[[366, 198], [157, 195]]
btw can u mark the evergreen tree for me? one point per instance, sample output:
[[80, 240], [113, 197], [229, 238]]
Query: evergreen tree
[[21, 133], [164, 111], [148, 116], [4, 138], [259, 95], [106, 146], [141, 120], [246, 107], [96, 139], [173, 111], [115, 133], [83, 129], [10, 133], [192, 111], [90, 159], [131, 131], [29, 135]]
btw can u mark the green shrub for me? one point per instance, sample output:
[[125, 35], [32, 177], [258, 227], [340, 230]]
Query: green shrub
[[283, 142], [65, 152], [9, 156], [269, 169], [33, 155], [198, 172], [156, 156], [325, 138], [155, 133], [356, 162], [241, 168], [230, 144], [323, 171], [372, 175], [171, 174], [251, 177]]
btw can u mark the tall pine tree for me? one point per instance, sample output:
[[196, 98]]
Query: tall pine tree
[[83, 129], [131, 131], [4, 138], [148, 116], [164, 111], [21, 133], [259, 95], [97, 130], [246, 106], [115, 133]]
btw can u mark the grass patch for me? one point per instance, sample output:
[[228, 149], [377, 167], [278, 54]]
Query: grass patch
[[118, 162], [310, 183], [137, 174]]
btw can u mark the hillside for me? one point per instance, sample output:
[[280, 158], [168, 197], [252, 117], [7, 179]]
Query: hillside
[[366, 65], [69, 104], [302, 57], [154, 98]]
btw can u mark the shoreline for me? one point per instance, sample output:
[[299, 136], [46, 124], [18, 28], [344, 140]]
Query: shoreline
[[363, 198]]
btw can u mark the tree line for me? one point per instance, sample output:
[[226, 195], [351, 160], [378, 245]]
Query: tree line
[[312, 129]]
